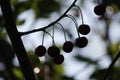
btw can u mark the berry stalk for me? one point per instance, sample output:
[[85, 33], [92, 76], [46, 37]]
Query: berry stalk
[[51, 24], [74, 20]]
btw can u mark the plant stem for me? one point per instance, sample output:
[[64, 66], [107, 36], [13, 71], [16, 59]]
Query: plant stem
[[74, 20], [80, 13], [63, 31], [51, 24], [111, 65], [16, 41]]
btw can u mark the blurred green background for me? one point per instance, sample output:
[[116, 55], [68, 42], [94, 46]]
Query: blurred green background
[[89, 63]]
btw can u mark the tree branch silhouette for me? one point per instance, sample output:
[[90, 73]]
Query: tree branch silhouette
[[16, 41], [111, 65], [51, 24]]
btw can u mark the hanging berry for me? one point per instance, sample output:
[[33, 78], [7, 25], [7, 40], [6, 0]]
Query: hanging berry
[[84, 29], [81, 42], [58, 59], [99, 9], [40, 51], [53, 51], [68, 46]]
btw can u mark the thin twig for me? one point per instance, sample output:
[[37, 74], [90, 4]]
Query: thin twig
[[111, 65], [63, 30], [75, 21], [80, 13], [51, 24]]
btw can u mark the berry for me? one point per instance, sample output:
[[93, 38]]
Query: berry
[[99, 10], [40, 51], [58, 59], [53, 51], [67, 46], [84, 29], [81, 42]]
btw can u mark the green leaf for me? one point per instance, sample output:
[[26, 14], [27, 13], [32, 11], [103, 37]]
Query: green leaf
[[3, 75], [114, 74], [18, 73], [67, 78], [98, 74], [43, 8], [20, 7], [6, 51], [85, 59], [20, 22], [110, 2], [34, 59]]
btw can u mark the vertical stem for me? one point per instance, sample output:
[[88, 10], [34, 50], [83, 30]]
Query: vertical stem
[[53, 34], [43, 38], [111, 65], [98, 2], [63, 31], [16, 41], [80, 13]]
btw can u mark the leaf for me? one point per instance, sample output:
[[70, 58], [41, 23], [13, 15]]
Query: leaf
[[6, 51], [43, 8], [20, 22], [98, 74], [34, 59], [18, 73], [109, 2], [67, 78], [3, 75], [114, 74], [20, 7], [85, 59]]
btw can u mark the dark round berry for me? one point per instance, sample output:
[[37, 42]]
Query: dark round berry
[[53, 51], [81, 42], [58, 59], [99, 10], [84, 29], [40, 51], [67, 46]]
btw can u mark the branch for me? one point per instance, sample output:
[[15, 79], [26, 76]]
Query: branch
[[111, 65], [51, 24], [16, 41]]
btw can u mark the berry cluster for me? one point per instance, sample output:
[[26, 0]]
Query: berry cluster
[[82, 41], [54, 52]]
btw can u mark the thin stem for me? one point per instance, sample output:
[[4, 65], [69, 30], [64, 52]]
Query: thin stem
[[63, 31], [80, 13], [51, 24], [53, 33], [50, 36], [43, 38], [74, 20], [98, 1], [111, 65]]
